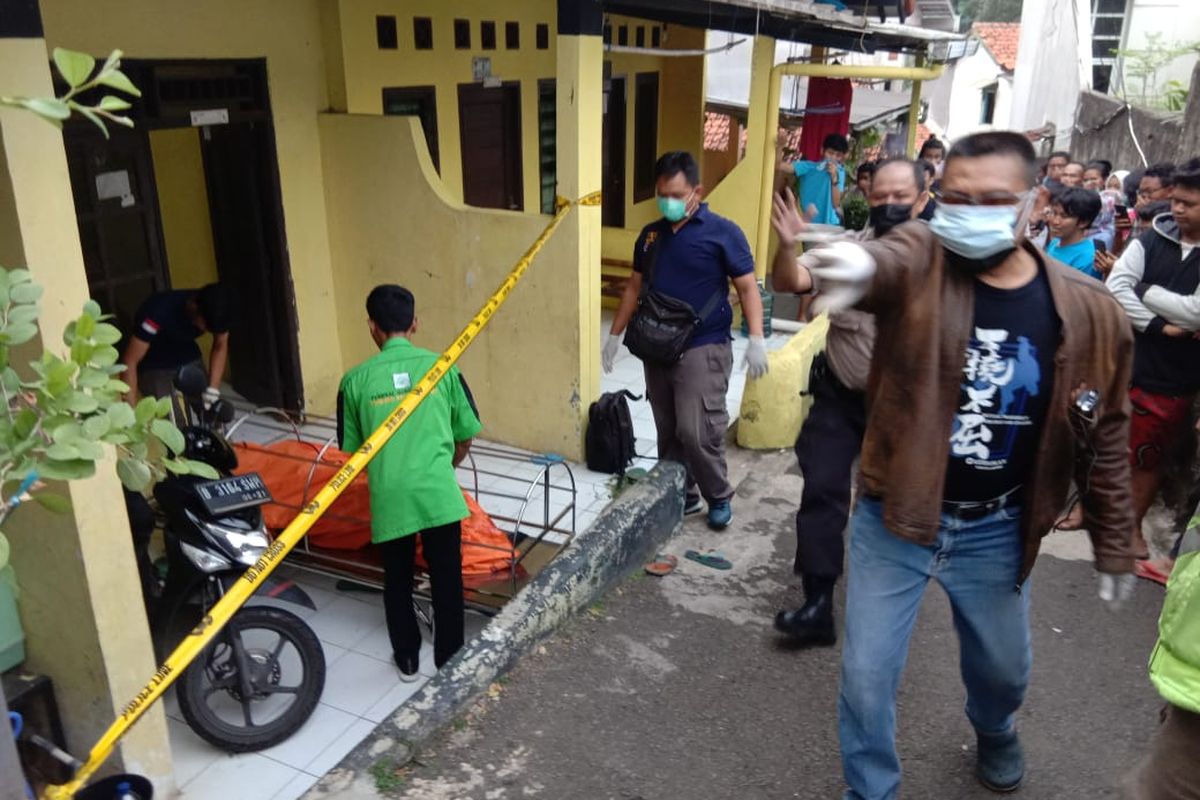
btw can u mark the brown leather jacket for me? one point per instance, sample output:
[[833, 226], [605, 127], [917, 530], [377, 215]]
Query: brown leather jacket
[[924, 314]]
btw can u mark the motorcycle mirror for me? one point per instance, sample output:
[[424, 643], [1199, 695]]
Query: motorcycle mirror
[[191, 380], [224, 411]]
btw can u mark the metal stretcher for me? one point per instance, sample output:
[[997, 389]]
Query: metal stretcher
[[530, 498]]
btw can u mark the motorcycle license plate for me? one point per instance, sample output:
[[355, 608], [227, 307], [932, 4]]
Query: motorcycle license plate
[[233, 494]]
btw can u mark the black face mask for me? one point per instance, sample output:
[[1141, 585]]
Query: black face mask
[[976, 266], [884, 218]]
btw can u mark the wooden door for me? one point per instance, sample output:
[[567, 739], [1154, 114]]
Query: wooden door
[[612, 210], [489, 123]]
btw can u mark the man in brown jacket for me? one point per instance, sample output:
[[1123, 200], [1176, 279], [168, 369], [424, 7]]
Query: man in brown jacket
[[981, 414]]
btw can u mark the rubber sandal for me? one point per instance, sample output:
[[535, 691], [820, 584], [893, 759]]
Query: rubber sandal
[[662, 565], [1150, 571], [709, 558]]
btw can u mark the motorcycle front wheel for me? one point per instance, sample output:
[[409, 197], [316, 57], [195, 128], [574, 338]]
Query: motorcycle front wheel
[[256, 683]]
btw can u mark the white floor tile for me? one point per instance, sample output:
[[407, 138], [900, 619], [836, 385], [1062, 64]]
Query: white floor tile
[[296, 787], [307, 743], [190, 755], [250, 776], [392, 700], [340, 747], [345, 621], [356, 682]]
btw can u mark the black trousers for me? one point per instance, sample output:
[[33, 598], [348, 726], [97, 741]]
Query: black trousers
[[443, 553], [826, 448]]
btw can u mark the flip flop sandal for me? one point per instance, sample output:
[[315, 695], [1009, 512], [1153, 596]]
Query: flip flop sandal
[[662, 565], [709, 558], [1148, 570]]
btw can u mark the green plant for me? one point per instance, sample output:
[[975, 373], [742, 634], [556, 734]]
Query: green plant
[[1144, 63], [1176, 95], [855, 213], [388, 777], [76, 70]]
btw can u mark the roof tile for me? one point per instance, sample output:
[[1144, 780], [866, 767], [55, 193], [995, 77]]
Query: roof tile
[[1001, 39]]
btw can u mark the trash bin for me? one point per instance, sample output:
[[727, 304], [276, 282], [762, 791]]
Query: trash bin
[[107, 789]]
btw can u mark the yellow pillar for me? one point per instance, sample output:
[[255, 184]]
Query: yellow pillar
[[579, 95], [757, 120], [81, 603]]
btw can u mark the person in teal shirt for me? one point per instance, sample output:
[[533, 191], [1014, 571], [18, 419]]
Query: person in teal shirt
[[820, 183], [1072, 212], [412, 482]]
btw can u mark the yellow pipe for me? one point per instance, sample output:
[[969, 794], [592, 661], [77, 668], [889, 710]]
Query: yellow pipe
[[914, 114], [771, 138]]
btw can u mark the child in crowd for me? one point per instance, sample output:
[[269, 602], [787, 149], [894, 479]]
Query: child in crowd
[[1072, 212]]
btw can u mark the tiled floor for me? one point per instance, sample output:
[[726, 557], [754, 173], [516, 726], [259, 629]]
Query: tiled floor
[[362, 686]]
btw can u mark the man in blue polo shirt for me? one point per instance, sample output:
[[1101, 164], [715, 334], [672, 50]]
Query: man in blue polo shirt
[[692, 254]]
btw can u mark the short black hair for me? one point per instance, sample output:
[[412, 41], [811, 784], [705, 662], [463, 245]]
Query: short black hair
[[997, 143], [1163, 171], [1080, 164], [917, 168], [671, 164], [1187, 175], [932, 143], [1058, 154], [1101, 166], [837, 143], [392, 308], [214, 302], [927, 167], [1079, 203], [866, 168], [1130, 186]]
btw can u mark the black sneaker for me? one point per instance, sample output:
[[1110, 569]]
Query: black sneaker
[[409, 668], [692, 505]]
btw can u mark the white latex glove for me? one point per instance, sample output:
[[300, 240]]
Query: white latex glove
[[1115, 590], [756, 358], [842, 271], [210, 397], [612, 345]]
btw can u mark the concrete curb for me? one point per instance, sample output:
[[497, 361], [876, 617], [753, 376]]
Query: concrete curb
[[622, 537]]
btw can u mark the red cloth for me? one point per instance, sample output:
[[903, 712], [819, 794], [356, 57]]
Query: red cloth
[[1156, 425], [826, 111]]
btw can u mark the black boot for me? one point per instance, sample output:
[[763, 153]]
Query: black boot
[[812, 623]]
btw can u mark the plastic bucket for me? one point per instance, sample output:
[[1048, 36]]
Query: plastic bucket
[[106, 789]]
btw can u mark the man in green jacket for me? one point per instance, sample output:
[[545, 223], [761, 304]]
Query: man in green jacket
[[412, 482], [1173, 770]]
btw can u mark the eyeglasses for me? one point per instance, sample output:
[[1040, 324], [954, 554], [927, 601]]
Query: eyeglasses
[[989, 199]]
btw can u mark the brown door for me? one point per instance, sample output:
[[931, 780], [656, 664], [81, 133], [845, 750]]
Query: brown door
[[243, 205], [612, 209], [489, 123], [117, 211]]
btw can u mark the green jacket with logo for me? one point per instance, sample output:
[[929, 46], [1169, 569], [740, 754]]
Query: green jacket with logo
[[1175, 662]]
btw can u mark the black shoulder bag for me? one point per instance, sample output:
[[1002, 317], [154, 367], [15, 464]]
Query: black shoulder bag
[[662, 327]]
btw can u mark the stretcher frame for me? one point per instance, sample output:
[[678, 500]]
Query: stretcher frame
[[547, 490]]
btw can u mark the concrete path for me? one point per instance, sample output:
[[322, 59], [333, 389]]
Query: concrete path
[[677, 688]]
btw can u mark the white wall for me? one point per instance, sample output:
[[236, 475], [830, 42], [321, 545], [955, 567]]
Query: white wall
[[1053, 64], [956, 98], [1177, 21]]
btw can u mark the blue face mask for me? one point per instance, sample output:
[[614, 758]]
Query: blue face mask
[[975, 232], [673, 208]]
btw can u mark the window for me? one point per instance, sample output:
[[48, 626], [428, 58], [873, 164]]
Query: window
[[1101, 77], [543, 36], [487, 35], [423, 33], [385, 33], [645, 135], [987, 105], [656, 36], [608, 33], [512, 35], [623, 35], [547, 134], [1108, 30], [416, 101], [462, 34], [640, 38]]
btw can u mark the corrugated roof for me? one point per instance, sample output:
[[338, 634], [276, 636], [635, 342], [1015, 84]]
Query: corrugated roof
[[1001, 39]]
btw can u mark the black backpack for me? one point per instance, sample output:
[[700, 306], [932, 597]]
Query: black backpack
[[610, 440]]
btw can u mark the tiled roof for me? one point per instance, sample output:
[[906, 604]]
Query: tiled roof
[[1001, 40], [716, 131]]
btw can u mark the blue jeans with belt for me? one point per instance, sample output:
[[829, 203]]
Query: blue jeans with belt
[[976, 562]]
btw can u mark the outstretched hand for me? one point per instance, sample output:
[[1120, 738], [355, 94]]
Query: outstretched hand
[[786, 218]]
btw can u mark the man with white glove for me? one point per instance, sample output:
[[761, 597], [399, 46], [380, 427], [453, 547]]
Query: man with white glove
[[692, 255], [984, 346]]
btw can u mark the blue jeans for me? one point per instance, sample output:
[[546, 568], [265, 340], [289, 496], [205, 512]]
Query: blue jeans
[[977, 563]]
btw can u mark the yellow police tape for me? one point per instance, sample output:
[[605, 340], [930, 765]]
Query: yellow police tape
[[241, 591]]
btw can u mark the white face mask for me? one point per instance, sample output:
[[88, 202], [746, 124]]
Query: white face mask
[[979, 232]]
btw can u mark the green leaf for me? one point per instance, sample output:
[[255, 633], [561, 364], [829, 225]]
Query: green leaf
[[105, 356], [92, 309], [92, 378], [177, 466], [26, 293], [16, 276], [164, 407], [72, 470], [134, 474], [26, 420], [4, 551], [50, 109], [92, 451], [74, 67], [112, 103], [10, 380], [121, 415], [62, 451], [169, 435], [85, 326], [82, 351], [95, 427], [25, 313], [106, 334], [116, 387], [20, 333], [138, 450], [147, 409], [67, 433], [202, 470], [118, 80], [82, 403], [53, 502]]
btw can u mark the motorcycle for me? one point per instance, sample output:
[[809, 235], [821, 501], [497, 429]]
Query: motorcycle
[[261, 677]]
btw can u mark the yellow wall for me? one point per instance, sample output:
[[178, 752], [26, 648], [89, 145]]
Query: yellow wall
[[368, 70], [288, 34], [525, 369], [183, 210]]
